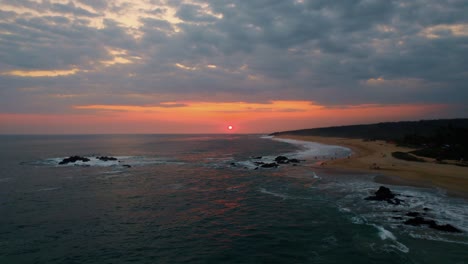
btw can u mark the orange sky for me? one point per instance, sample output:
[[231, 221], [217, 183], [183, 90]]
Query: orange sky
[[208, 117]]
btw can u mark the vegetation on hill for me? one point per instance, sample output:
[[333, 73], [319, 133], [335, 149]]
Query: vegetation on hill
[[439, 139]]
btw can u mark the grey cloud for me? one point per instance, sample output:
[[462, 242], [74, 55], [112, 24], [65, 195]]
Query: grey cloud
[[70, 8], [193, 13], [95, 4]]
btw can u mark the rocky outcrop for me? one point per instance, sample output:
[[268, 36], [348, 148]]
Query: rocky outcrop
[[105, 158], [418, 221], [285, 160], [385, 194], [415, 218], [73, 159], [269, 165], [282, 160]]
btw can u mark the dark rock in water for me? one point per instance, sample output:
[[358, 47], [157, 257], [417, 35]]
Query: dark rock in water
[[418, 221], [426, 209], [258, 157], [269, 165], [446, 228], [259, 163], [294, 161], [126, 166], [73, 159], [412, 214], [282, 160], [105, 158], [384, 194]]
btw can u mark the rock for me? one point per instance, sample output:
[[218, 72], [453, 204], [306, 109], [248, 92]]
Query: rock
[[282, 160], [418, 221], [259, 163], [412, 214], [384, 194], [73, 159], [294, 161], [257, 157], [269, 165], [105, 158], [126, 166], [446, 228]]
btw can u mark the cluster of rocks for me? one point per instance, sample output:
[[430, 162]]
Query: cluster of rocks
[[105, 158], [279, 160], [417, 219], [73, 159]]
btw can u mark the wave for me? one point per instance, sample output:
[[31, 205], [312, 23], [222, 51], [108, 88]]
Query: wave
[[317, 150], [283, 196], [384, 234]]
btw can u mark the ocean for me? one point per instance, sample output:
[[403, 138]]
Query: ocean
[[206, 199]]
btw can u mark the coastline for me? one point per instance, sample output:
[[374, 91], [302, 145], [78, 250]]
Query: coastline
[[375, 157]]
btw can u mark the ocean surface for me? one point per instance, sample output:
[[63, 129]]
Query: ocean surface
[[204, 199]]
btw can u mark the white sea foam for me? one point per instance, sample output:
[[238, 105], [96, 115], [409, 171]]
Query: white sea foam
[[315, 175], [313, 149], [357, 220], [283, 196], [384, 234], [434, 237], [47, 189], [246, 164]]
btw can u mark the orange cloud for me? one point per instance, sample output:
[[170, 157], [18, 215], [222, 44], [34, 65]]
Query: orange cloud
[[41, 73]]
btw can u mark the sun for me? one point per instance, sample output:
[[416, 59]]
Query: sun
[[230, 127]]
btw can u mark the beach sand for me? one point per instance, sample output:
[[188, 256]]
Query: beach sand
[[375, 157]]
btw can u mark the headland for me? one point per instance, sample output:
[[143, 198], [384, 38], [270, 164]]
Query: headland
[[396, 161]]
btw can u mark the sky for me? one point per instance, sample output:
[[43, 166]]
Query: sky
[[199, 66]]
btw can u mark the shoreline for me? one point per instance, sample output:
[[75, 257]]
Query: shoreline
[[375, 157]]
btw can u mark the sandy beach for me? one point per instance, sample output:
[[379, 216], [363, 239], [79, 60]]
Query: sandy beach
[[375, 157]]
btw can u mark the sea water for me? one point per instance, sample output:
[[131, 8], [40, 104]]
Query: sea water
[[206, 199]]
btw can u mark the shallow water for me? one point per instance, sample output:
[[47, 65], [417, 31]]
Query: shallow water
[[200, 199]]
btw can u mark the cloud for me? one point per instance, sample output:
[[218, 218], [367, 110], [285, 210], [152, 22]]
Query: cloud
[[70, 8], [330, 52]]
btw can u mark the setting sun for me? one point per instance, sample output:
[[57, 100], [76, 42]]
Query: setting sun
[[230, 127]]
